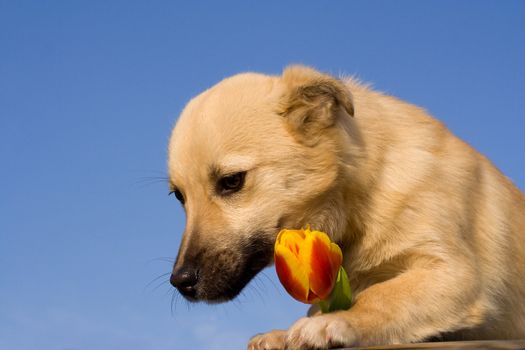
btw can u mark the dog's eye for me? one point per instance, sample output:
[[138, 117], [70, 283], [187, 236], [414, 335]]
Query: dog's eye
[[178, 194], [231, 183]]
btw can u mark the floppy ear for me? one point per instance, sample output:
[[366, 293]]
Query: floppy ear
[[312, 100]]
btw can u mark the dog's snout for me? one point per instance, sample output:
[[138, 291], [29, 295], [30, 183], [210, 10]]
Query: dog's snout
[[185, 280]]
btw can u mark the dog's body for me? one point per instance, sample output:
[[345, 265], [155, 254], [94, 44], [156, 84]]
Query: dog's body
[[433, 235]]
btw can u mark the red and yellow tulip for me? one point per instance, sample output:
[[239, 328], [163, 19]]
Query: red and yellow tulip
[[308, 265]]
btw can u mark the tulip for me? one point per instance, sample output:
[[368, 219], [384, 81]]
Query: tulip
[[308, 265]]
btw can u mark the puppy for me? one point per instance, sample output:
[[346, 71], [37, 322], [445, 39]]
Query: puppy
[[433, 235]]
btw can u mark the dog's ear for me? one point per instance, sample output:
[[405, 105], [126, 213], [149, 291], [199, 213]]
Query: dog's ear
[[312, 100]]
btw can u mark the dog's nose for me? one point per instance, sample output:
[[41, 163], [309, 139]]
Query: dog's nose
[[185, 280]]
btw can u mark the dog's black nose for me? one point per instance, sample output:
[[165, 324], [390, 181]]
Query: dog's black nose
[[185, 280]]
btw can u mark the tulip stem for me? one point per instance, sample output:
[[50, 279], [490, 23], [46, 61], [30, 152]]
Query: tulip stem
[[324, 305], [341, 296]]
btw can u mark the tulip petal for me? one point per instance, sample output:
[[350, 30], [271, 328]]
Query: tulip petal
[[323, 260], [313, 298], [336, 257], [291, 273], [291, 239]]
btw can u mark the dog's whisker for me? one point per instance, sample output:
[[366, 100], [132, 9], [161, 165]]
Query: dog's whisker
[[157, 278], [237, 301], [171, 302], [260, 289], [149, 181], [255, 287], [163, 283], [262, 274], [168, 291], [161, 176], [162, 258], [188, 305], [174, 300], [259, 295], [259, 284]]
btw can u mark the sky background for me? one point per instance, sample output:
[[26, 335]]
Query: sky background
[[89, 91]]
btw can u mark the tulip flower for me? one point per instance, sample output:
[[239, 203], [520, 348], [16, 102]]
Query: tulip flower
[[308, 265]]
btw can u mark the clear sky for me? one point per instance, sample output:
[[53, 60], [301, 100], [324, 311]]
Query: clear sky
[[89, 91]]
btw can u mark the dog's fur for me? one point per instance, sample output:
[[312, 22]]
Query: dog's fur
[[432, 233]]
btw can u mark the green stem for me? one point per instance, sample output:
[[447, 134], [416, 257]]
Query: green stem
[[325, 306], [341, 296]]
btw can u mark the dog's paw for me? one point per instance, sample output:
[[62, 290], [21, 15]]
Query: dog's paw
[[320, 332], [273, 340]]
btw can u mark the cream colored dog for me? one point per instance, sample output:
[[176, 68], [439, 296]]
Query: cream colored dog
[[432, 233]]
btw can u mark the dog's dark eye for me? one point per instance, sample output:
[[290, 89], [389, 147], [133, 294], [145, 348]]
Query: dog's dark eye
[[178, 194], [231, 183]]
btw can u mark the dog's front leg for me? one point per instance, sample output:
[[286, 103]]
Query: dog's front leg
[[417, 304]]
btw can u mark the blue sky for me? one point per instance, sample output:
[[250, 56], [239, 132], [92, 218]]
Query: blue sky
[[89, 91]]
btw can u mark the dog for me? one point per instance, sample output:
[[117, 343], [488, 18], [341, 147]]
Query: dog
[[432, 234]]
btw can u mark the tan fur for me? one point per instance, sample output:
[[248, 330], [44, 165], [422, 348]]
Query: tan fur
[[432, 233]]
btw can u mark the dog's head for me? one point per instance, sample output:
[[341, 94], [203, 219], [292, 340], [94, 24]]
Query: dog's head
[[248, 157]]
